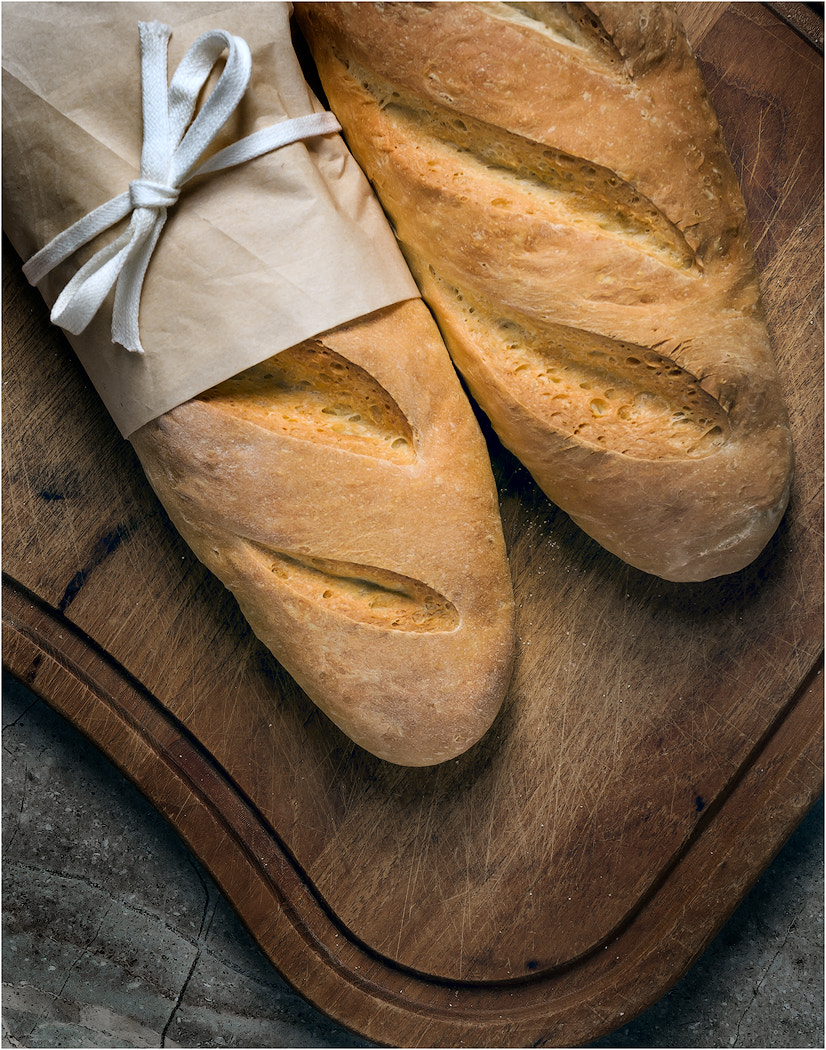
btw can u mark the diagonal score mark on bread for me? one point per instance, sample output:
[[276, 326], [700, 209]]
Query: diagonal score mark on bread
[[311, 391], [571, 24], [364, 593], [533, 176], [609, 394]]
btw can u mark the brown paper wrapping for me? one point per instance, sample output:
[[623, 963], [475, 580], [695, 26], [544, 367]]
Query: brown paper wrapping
[[252, 260]]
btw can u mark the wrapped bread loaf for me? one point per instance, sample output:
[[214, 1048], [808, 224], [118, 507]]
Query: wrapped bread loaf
[[337, 483], [560, 187], [342, 491]]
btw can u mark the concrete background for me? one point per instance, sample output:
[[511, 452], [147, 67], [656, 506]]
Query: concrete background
[[114, 936]]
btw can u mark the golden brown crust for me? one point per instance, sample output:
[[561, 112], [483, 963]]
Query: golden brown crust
[[342, 491], [559, 184]]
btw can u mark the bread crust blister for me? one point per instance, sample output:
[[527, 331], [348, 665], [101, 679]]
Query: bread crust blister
[[559, 184], [343, 492]]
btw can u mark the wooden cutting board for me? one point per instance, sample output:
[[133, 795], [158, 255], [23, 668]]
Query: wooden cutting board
[[658, 744]]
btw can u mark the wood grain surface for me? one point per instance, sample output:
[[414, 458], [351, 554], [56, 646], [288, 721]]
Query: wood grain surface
[[658, 744]]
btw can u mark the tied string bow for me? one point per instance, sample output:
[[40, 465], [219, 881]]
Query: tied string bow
[[173, 144]]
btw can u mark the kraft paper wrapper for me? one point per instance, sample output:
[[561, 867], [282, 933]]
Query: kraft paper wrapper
[[252, 260]]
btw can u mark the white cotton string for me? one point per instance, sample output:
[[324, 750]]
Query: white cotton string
[[173, 144]]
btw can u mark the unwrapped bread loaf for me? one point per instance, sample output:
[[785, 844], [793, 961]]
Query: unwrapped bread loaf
[[342, 490], [559, 184]]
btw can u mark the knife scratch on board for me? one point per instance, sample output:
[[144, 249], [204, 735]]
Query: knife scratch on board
[[106, 546]]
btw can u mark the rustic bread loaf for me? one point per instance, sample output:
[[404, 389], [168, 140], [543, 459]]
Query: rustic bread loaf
[[343, 491], [342, 488], [559, 184]]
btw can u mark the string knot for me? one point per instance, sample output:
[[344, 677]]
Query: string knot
[[173, 144], [144, 193]]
